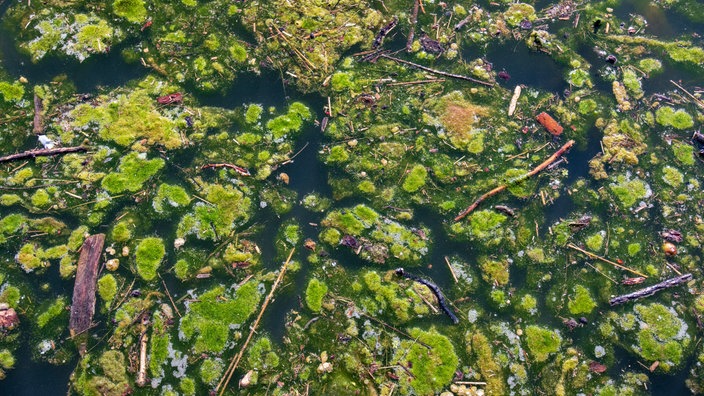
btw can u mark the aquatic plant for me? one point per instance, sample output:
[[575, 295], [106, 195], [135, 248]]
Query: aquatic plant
[[429, 370], [315, 292], [542, 342], [149, 254]]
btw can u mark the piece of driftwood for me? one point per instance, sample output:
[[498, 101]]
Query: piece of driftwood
[[502, 187], [242, 171], [38, 125], [435, 71], [42, 153], [83, 304], [650, 290]]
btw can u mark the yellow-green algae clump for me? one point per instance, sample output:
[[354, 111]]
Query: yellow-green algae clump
[[210, 318], [428, 370]]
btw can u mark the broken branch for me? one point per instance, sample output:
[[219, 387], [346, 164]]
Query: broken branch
[[42, 153], [650, 290], [438, 72], [502, 187]]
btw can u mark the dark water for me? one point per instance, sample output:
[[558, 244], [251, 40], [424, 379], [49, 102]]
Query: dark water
[[308, 174]]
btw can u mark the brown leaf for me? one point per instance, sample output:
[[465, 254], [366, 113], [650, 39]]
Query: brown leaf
[[596, 367]]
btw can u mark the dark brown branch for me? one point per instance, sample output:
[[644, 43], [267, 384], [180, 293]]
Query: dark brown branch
[[438, 72], [502, 187], [414, 21], [650, 290], [38, 123], [42, 153], [83, 304]]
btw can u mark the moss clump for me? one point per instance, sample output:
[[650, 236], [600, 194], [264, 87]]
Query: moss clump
[[581, 302], [684, 153], [253, 113], [484, 223], [629, 192], [415, 179], [134, 170], [10, 225], [125, 118], [338, 154], [211, 371], [150, 253], [542, 342], [587, 107], [210, 318], [632, 83], [480, 346], [10, 295], [227, 208], [41, 198], [29, 257], [53, 311], [173, 196], [650, 65], [529, 304], [261, 355], [432, 368], [158, 346], [595, 241], [107, 289], [112, 382], [122, 232], [680, 119], [11, 92], [518, 12], [289, 122], [578, 78], [672, 176], [7, 360], [662, 335], [132, 10], [315, 292], [494, 271]]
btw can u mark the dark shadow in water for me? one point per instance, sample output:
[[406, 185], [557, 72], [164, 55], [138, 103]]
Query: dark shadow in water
[[531, 68]]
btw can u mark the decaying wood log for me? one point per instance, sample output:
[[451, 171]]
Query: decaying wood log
[[83, 305], [502, 187], [42, 153], [549, 123], [650, 290], [38, 108]]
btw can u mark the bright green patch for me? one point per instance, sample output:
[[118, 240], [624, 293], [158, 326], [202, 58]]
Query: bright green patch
[[150, 253], [415, 179], [542, 342], [581, 302], [315, 292], [430, 369], [134, 170]]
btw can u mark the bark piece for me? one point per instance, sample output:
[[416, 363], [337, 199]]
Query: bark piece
[[83, 305], [650, 290]]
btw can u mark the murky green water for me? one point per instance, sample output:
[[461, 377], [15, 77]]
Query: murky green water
[[379, 134]]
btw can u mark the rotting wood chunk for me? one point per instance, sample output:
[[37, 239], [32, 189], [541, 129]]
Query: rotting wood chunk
[[549, 123]]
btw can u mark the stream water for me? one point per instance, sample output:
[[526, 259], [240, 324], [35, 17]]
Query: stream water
[[308, 174]]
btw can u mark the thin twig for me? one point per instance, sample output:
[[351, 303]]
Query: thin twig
[[169, 295], [42, 153], [596, 256], [438, 72], [452, 271], [225, 380], [694, 98], [395, 329]]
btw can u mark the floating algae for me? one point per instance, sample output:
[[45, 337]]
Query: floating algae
[[253, 128]]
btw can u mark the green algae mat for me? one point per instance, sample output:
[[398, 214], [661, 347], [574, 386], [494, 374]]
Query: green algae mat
[[351, 197]]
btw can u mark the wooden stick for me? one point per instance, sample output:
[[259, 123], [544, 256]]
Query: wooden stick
[[592, 255], [414, 21], [438, 72], [502, 187], [694, 98], [225, 380], [470, 382], [142, 373], [452, 271], [650, 290], [42, 153], [169, 295], [597, 270]]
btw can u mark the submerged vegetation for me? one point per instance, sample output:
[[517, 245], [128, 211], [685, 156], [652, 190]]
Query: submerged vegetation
[[351, 134]]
